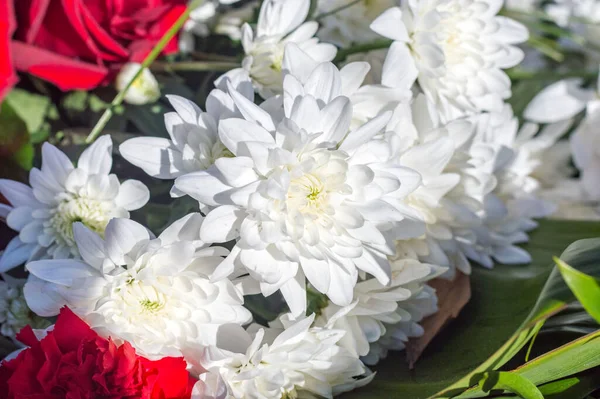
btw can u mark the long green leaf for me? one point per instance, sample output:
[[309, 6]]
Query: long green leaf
[[586, 288], [498, 320], [511, 382], [575, 357]]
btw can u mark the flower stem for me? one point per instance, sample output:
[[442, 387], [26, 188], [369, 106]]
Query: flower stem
[[195, 66], [523, 74], [362, 48], [170, 34], [336, 10]]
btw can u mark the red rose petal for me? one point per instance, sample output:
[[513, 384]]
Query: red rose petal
[[8, 78], [64, 72]]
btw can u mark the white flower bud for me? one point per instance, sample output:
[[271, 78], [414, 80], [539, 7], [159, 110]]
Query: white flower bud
[[144, 89]]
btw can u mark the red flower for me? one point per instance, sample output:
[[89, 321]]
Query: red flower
[[8, 78], [73, 362], [80, 44]]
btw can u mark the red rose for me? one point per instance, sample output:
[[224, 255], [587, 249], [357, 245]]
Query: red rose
[[73, 362], [7, 26], [80, 44]]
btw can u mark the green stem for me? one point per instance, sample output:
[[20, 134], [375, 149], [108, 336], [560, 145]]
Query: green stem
[[362, 48], [522, 74], [170, 34], [195, 66], [336, 10]]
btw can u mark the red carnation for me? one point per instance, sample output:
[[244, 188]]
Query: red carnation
[[74, 362]]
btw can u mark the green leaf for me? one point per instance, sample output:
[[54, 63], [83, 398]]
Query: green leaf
[[573, 387], [510, 382], [24, 156], [586, 288], [31, 108], [572, 358], [498, 320]]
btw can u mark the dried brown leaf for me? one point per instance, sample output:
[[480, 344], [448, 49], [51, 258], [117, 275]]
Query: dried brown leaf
[[452, 297]]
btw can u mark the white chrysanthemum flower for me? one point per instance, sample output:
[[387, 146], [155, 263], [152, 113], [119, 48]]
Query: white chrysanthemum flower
[[351, 23], [280, 22], [457, 51], [152, 292], [14, 312], [305, 196], [194, 143], [397, 335], [376, 306], [514, 203], [283, 363], [61, 194], [143, 90], [456, 175]]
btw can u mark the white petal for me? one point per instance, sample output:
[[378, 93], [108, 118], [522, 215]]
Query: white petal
[[317, 273], [157, 156], [399, 69], [235, 131], [294, 293], [353, 75], [90, 245], [97, 158], [207, 187], [18, 194], [133, 194], [60, 271], [185, 229], [188, 111], [335, 120], [222, 224], [15, 254], [249, 110], [366, 132], [122, 236], [238, 171], [42, 297], [557, 102], [55, 163], [341, 287], [390, 25], [19, 217], [324, 82]]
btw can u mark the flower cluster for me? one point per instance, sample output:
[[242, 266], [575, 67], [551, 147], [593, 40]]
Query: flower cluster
[[334, 189]]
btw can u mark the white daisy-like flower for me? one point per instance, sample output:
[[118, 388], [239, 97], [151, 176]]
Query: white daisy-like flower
[[61, 194], [194, 143], [283, 363], [376, 306], [304, 195], [143, 90], [14, 312], [351, 23], [457, 50], [397, 335], [280, 22], [152, 292]]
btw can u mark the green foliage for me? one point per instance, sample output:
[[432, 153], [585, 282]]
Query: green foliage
[[508, 306], [511, 382], [586, 288]]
